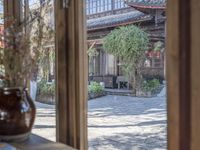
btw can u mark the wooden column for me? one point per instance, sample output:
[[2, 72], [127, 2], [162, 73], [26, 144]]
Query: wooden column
[[195, 74], [12, 11], [183, 74], [26, 15], [178, 82], [71, 68]]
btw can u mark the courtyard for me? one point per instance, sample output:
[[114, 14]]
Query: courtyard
[[116, 123]]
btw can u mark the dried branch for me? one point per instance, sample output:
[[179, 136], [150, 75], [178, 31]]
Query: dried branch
[[22, 49]]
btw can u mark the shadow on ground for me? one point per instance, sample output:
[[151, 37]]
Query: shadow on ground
[[127, 123], [130, 141], [122, 105]]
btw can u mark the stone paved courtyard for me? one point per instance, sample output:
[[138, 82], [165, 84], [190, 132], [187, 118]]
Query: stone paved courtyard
[[116, 123]]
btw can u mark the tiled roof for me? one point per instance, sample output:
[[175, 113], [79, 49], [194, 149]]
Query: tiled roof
[[147, 3], [113, 20]]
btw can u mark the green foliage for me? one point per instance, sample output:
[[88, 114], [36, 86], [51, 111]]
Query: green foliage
[[158, 46], [92, 52], [1, 83], [151, 85], [2, 71], [46, 89], [95, 88], [128, 43]]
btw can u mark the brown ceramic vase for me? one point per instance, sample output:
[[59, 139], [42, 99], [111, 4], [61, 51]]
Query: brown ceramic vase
[[17, 114]]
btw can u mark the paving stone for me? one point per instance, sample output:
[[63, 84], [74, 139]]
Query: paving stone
[[116, 123]]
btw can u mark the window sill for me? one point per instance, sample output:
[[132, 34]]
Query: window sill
[[38, 143]]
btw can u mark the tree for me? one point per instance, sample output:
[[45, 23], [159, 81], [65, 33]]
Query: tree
[[129, 43], [42, 35]]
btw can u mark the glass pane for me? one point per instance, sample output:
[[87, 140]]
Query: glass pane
[[43, 88], [126, 105]]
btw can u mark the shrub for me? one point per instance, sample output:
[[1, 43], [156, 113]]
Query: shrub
[[95, 88], [1, 83], [150, 85], [46, 89]]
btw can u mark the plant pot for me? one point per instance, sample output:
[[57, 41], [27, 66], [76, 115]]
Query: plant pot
[[148, 94], [17, 114]]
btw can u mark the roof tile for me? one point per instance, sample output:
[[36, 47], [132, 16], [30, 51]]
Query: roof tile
[[116, 19], [148, 3]]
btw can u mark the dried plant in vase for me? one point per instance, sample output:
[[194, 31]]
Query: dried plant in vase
[[24, 46], [18, 59], [17, 110], [17, 62]]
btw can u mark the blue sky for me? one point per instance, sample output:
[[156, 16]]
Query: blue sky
[[1, 9], [32, 1]]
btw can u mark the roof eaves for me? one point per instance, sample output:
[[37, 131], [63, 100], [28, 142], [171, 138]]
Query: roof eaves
[[120, 24], [116, 20], [145, 7], [150, 4]]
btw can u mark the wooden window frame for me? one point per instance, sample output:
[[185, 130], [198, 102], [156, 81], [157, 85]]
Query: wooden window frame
[[183, 73], [71, 68], [72, 74]]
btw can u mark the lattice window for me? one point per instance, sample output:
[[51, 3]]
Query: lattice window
[[98, 6], [154, 63], [119, 4]]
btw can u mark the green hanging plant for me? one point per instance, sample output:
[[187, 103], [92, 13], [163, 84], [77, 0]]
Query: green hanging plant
[[158, 46], [92, 52]]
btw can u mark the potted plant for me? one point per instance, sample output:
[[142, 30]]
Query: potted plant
[[46, 92], [149, 87], [17, 64], [95, 90], [17, 110]]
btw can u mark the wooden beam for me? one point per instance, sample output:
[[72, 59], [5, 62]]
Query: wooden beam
[[71, 68], [96, 41]]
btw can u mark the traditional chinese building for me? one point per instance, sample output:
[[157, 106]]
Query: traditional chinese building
[[105, 15]]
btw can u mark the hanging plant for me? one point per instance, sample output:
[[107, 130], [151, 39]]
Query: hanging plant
[[92, 52], [158, 46]]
